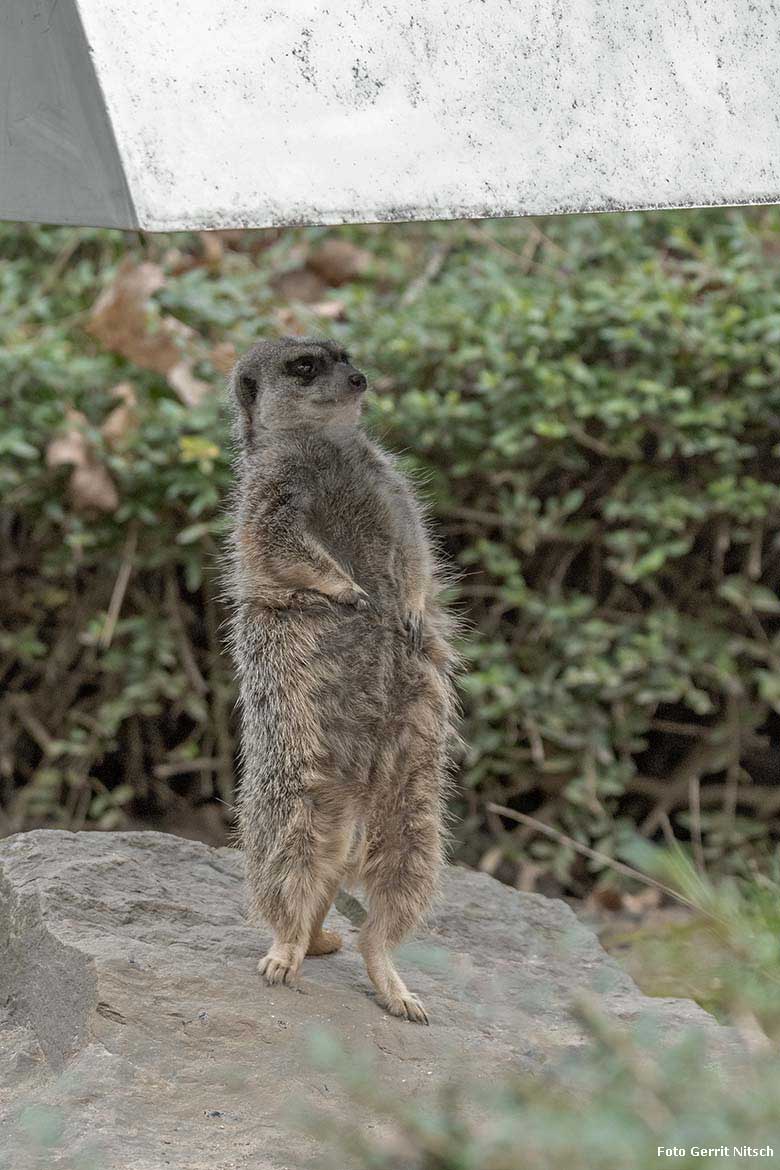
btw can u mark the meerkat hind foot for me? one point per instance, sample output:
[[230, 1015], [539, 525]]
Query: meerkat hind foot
[[326, 942], [406, 1006], [392, 993]]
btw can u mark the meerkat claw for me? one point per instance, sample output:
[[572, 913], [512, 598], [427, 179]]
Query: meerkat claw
[[275, 971], [355, 598], [415, 1011], [406, 1007]]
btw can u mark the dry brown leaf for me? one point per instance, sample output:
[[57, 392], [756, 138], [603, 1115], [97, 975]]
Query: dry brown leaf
[[491, 859], [189, 388], [605, 898], [609, 898], [213, 247], [175, 262], [91, 488], [123, 419], [287, 321], [71, 446], [232, 237], [528, 873], [223, 356], [337, 261], [649, 899], [330, 310], [299, 285], [255, 242], [120, 320]]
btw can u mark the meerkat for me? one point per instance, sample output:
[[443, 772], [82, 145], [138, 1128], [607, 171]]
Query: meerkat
[[344, 660]]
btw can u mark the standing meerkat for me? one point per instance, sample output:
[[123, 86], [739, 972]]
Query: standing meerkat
[[344, 664]]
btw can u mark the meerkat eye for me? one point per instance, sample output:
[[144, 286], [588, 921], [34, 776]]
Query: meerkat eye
[[248, 385], [304, 367], [344, 357]]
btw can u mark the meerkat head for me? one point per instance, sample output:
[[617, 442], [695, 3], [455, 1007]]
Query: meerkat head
[[296, 382]]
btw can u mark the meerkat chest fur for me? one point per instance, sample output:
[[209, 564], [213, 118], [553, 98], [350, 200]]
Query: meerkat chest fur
[[359, 507]]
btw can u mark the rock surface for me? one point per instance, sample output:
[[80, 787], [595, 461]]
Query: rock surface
[[135, 1033]]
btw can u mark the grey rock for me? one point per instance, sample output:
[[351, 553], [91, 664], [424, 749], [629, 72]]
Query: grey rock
[[135, 1033]]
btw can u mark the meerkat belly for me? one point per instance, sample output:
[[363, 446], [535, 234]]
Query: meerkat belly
[[316, 686]]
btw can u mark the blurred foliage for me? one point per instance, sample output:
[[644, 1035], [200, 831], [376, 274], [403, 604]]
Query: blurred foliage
[[726, 955], [591, 403], [619, 1101], [615, 1101]]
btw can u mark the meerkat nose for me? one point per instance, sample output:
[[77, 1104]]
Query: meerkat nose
[[358, 381]]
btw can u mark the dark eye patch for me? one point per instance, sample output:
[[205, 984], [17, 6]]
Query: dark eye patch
[[307, 366]]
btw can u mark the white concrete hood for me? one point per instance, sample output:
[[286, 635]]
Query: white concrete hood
[[168, 114]]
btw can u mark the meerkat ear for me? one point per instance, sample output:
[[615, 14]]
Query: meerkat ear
[[245, 392]]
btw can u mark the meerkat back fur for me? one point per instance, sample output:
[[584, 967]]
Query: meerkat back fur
[[344, 662]]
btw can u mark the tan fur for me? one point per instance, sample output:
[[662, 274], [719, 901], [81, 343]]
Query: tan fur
[[344, 663]]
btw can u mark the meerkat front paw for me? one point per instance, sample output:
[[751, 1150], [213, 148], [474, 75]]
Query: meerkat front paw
[[279, 966], [357, 598], [305, 599]]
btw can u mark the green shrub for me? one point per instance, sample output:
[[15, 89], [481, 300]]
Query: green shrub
[[602, 439], [592, 404]]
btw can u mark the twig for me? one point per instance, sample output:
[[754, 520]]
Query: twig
[[764, 798], [32, 724], [487, 519], [6, 824], [671, 727], [668, 832], [694, 803], [524, 259], [79, 816], [591, 443], [432, 269], [535, 740], [731, 789], [204, 764], [197, 681], [699, 760], [564, 839], [734, 769], [120, 587]]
